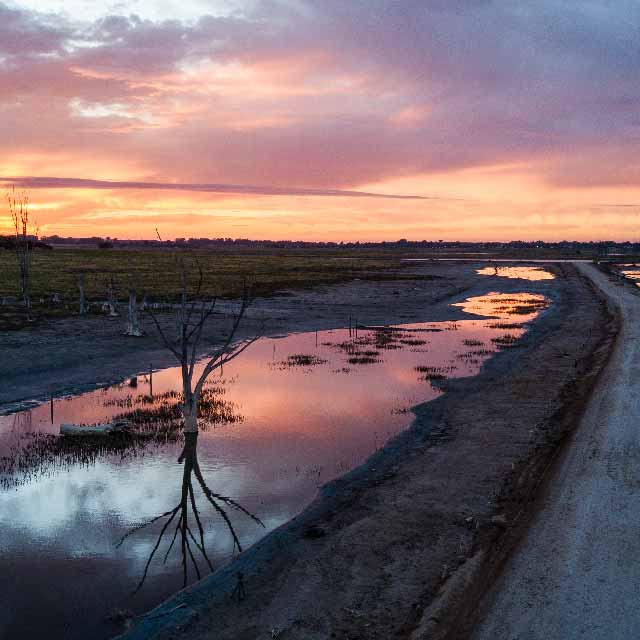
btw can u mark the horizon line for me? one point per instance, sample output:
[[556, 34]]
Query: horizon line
[[190, 239]]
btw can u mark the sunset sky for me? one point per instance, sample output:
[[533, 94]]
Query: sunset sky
[[279, 118]]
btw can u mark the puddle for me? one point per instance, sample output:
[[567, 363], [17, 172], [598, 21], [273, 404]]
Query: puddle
[[524, 306], [630, 271], [523, 273], [286, 417]]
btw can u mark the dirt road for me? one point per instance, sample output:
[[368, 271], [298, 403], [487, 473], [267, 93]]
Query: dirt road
[[577, 572]]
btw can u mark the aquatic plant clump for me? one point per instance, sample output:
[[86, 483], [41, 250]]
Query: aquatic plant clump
[[153, 420], [166, 412], [434, 373], [38, 454], [474, 353], [363, 360], [299, 360], [507, 340], [505, 325]]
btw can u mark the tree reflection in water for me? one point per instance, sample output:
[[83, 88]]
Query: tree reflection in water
[[192, 546]]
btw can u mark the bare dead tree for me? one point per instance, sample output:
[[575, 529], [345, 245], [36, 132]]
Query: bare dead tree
[[191, 538], [192, 318], [23, 227]]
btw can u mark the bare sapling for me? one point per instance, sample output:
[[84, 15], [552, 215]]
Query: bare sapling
[[24, 229], [192, 319]]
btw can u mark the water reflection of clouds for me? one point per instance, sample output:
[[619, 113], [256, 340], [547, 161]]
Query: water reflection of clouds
[[84, 516], [515, 307], [522, 273], [632, 274], [301, 426]]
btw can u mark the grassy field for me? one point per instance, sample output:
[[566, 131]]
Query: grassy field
[[156, 274]]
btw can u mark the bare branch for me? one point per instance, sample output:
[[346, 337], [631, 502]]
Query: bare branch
[[211, 495], [145, 524], [162, 335], [153, 553]]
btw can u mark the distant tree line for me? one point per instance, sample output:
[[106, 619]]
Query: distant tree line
[[565, 246], [9, 242]]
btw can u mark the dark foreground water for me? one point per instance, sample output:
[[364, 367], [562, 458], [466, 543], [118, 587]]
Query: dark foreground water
[[289, 415]]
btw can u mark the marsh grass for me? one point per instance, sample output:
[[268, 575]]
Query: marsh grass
[[270, 273], [153, 422]]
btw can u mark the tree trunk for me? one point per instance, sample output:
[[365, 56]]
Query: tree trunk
[[190, 416], [83, 304], [24, 281], [133, 322], [113, 303]]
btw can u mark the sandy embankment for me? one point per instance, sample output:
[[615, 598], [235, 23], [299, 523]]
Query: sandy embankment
[[405, 545]]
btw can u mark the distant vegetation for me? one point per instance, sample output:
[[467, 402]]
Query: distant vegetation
[[150, 271], [9, 242], [516, 248], [271, 267], [55, 275]]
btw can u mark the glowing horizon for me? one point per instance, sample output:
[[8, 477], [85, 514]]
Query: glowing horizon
[[367, 120]]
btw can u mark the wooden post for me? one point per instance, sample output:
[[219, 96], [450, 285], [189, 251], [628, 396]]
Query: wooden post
[[151, 380], [51, 407]]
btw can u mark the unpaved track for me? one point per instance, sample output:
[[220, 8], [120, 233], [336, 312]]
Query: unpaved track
[[577, 572]]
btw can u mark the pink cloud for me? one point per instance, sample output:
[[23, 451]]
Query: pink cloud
[[324, 96]]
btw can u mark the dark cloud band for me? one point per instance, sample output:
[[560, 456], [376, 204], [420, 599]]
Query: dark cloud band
[[32, 182]]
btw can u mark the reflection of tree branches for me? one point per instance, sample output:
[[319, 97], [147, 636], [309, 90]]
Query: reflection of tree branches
[[191, 546]]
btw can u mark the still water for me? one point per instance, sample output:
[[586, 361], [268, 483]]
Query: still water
[[630, 270], [522, 273], [286, 417]]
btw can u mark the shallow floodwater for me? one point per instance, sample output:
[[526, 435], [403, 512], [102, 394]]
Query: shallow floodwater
[[631, 271], [286, 417], [523, 273]]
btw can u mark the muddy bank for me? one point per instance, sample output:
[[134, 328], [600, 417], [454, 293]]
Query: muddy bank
[[405, 545], [76, 354]]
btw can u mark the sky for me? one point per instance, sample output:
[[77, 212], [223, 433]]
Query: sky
[[325, 119]]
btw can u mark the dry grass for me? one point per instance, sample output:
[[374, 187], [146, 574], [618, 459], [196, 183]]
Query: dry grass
[[154, 273]]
